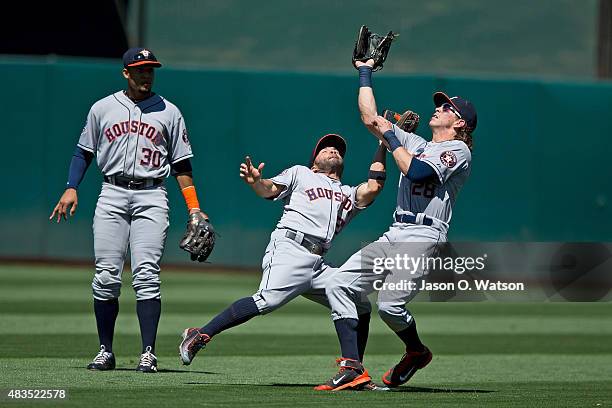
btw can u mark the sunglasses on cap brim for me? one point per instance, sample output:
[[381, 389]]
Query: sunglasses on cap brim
[[448, 107]]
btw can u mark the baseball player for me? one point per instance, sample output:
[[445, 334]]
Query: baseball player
[[138, 139], [432, 174], [317, 207]]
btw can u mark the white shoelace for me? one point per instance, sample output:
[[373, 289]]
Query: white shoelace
[[147, 358], [102, 357]]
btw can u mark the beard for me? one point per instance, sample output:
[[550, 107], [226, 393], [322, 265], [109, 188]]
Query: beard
[[330, 165]]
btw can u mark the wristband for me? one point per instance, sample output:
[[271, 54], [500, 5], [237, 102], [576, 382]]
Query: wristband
[[392, 140], [377, 175], [191, 198], [365, 76]]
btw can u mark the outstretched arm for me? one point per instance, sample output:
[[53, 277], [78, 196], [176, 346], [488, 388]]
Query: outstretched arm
[[367, 192], [366, 100], [252, 176]]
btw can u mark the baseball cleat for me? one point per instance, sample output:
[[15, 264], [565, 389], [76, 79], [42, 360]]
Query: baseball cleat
[[407, 367], [148, 362], [193, 341], [351, 375], [103, 361]]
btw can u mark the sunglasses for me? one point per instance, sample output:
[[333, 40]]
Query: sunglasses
[[448, 107]]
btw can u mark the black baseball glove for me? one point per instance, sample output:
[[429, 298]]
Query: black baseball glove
[[199, 239], [372, 46], [407, 121]]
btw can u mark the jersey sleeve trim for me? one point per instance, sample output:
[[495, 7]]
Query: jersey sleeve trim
[[280, 183], [286, 191], [283, 193], [187, 156], [89, 149]]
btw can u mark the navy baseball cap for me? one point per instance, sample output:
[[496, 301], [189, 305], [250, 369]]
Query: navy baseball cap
[[465, 108], [135, 57], [328, 140]]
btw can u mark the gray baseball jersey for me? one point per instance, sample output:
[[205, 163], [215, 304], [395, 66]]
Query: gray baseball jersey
[[314, 203], [436, 200], [136, 140], [317, 206], [354, 280]]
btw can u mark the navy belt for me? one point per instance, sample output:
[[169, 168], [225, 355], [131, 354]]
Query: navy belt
[[412, 219], [133, 184], [312, 246]]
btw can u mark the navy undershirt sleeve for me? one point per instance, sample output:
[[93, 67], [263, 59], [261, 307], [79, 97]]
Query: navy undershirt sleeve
[[420, 171], [81, 159], [181, 167]]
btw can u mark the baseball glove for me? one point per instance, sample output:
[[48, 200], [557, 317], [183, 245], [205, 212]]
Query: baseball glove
[[199, 239], [372, 46], [408, 121]]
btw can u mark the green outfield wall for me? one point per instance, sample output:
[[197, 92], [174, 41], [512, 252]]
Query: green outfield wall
[[522, 37], [541, 164]]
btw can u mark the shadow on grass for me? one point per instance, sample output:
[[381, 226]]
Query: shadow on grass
[[160, 371], [401, 389], [252, 385], [441, 390]]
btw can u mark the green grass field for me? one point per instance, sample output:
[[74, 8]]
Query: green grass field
[[485, 354]]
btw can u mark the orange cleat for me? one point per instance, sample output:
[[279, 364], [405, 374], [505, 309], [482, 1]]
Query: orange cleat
[[351, 375]]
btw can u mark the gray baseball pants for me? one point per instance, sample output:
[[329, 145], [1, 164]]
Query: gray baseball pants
[[355, 279], [137, 219]]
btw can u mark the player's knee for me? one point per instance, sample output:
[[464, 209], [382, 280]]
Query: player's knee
[[147, 292], [268, 301], [105, 287], [391, 313], [337, 290], [343, 306], [146, 282], [395, 316], [147, 289]]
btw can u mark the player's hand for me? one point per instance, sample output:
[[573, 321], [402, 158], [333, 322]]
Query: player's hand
[[368, 63], [195, 210], [249, 173], [382, 124], [68, 199]]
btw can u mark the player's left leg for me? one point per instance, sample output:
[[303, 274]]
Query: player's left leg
[[111, 226], [287, 273], [355, 279], [321, 279], [403, 324], [347, 288], [147, 239], [351, 374], [415, 242]]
